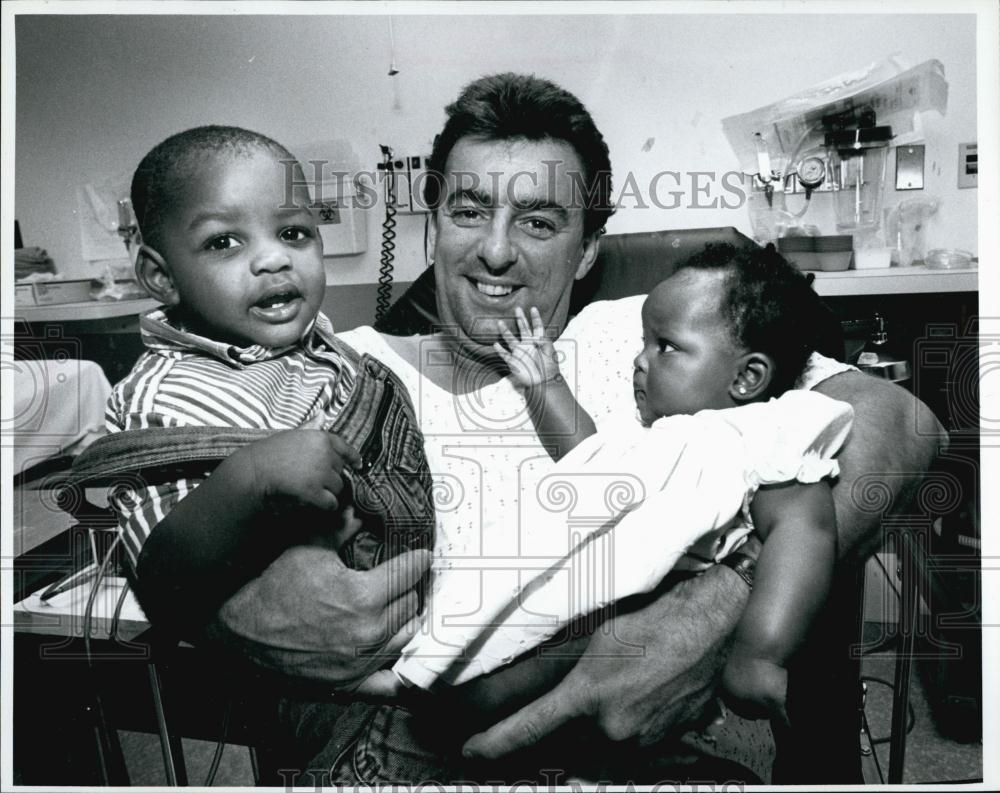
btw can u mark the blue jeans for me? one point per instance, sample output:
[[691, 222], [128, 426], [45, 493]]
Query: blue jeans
[[359, 743]]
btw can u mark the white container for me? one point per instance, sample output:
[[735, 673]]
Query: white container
[[340, 216], [50, 293], [872, 258]]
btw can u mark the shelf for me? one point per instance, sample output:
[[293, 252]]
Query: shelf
[[888, 281], [896, 281], [87, 310]]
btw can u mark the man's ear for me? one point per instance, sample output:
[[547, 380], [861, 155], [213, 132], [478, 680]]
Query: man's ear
[[591, 244], [431, 237], [754, 373], [152, 272]]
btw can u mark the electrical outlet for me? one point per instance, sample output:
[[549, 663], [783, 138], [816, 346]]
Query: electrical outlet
[[968, 165]]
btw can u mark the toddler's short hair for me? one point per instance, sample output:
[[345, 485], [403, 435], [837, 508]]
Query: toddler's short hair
[[170, 165], [770, 307]]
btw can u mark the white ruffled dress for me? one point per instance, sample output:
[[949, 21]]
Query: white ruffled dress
[[612, 518]]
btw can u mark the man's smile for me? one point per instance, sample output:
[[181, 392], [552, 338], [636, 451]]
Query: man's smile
[[493, 289]]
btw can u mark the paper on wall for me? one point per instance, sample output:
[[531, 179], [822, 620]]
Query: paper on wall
[[97, 210]]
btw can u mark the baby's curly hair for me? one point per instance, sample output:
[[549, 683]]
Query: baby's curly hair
[[770, 307]]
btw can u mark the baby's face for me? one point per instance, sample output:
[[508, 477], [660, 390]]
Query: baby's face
[[247, 262], [688, 359]]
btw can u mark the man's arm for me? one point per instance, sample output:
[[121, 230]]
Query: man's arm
[[684, 632], [654, 667], [309, 616], [895, 438]]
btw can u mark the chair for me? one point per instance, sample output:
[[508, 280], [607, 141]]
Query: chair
[[825, 692], [171, 667], [927, 626]]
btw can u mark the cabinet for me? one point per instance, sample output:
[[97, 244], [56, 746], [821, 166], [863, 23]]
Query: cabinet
[[105, 332]]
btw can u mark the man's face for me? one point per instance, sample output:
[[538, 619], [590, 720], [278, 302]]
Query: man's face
[[688, 360], [246, 269], [508, 233]]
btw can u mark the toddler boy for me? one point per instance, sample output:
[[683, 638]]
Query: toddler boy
[[231, 249]]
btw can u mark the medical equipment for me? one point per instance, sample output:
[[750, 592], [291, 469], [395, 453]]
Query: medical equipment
[[832, 137]]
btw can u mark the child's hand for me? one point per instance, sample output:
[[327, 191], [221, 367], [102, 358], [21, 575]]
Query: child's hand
[[301, 466], [532, 358]]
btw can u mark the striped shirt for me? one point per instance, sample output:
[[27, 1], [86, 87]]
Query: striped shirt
[[185, 380]]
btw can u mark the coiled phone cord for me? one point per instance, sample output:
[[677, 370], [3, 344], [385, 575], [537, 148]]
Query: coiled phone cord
[[384, 295]]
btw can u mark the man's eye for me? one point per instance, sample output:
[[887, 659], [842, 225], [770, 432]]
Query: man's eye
[[295, 234], [663, 345], [466, 216], [222, 242], [539, 227]]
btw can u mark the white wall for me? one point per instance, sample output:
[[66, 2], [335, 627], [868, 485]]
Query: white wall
[[95, 93]]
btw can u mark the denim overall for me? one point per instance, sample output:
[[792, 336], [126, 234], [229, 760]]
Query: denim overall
[[391, 490]]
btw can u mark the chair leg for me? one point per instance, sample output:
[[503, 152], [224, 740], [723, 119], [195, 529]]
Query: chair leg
[[908, 611], [170, 744], [254, 766], [111, 759]]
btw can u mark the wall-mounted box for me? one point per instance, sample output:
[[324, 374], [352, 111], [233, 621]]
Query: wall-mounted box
[[968, 165], [910, 167], [340, 209], [409, 175]]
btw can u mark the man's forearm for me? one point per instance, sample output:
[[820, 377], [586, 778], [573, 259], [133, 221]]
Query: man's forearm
[[894, 440]]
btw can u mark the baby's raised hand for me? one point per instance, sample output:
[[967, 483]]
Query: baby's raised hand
[[532, 358], [300, 466]]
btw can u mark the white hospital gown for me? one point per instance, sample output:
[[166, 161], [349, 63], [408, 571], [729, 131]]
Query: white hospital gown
[[614, 516]]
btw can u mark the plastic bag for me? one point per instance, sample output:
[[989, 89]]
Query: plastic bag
[[905, 225], [793, 125]]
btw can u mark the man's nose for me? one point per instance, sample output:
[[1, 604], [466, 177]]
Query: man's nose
[[639, 363], [496, 249], [271, 258]]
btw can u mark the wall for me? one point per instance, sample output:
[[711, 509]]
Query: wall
[[94, 93]]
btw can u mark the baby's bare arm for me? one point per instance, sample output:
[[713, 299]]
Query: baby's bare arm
[[793, 578], [559, 420], [194, 557]]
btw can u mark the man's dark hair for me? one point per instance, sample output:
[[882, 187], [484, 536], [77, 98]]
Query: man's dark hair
[[519, 106], [770, 307], [160, 178]]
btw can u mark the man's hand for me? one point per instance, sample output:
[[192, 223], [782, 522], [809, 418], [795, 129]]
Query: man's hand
[[297, 467], [308, 615], [653, 672], [531, 359]]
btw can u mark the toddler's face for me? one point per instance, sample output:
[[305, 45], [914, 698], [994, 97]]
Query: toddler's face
[[688, 359], [246, 264]]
